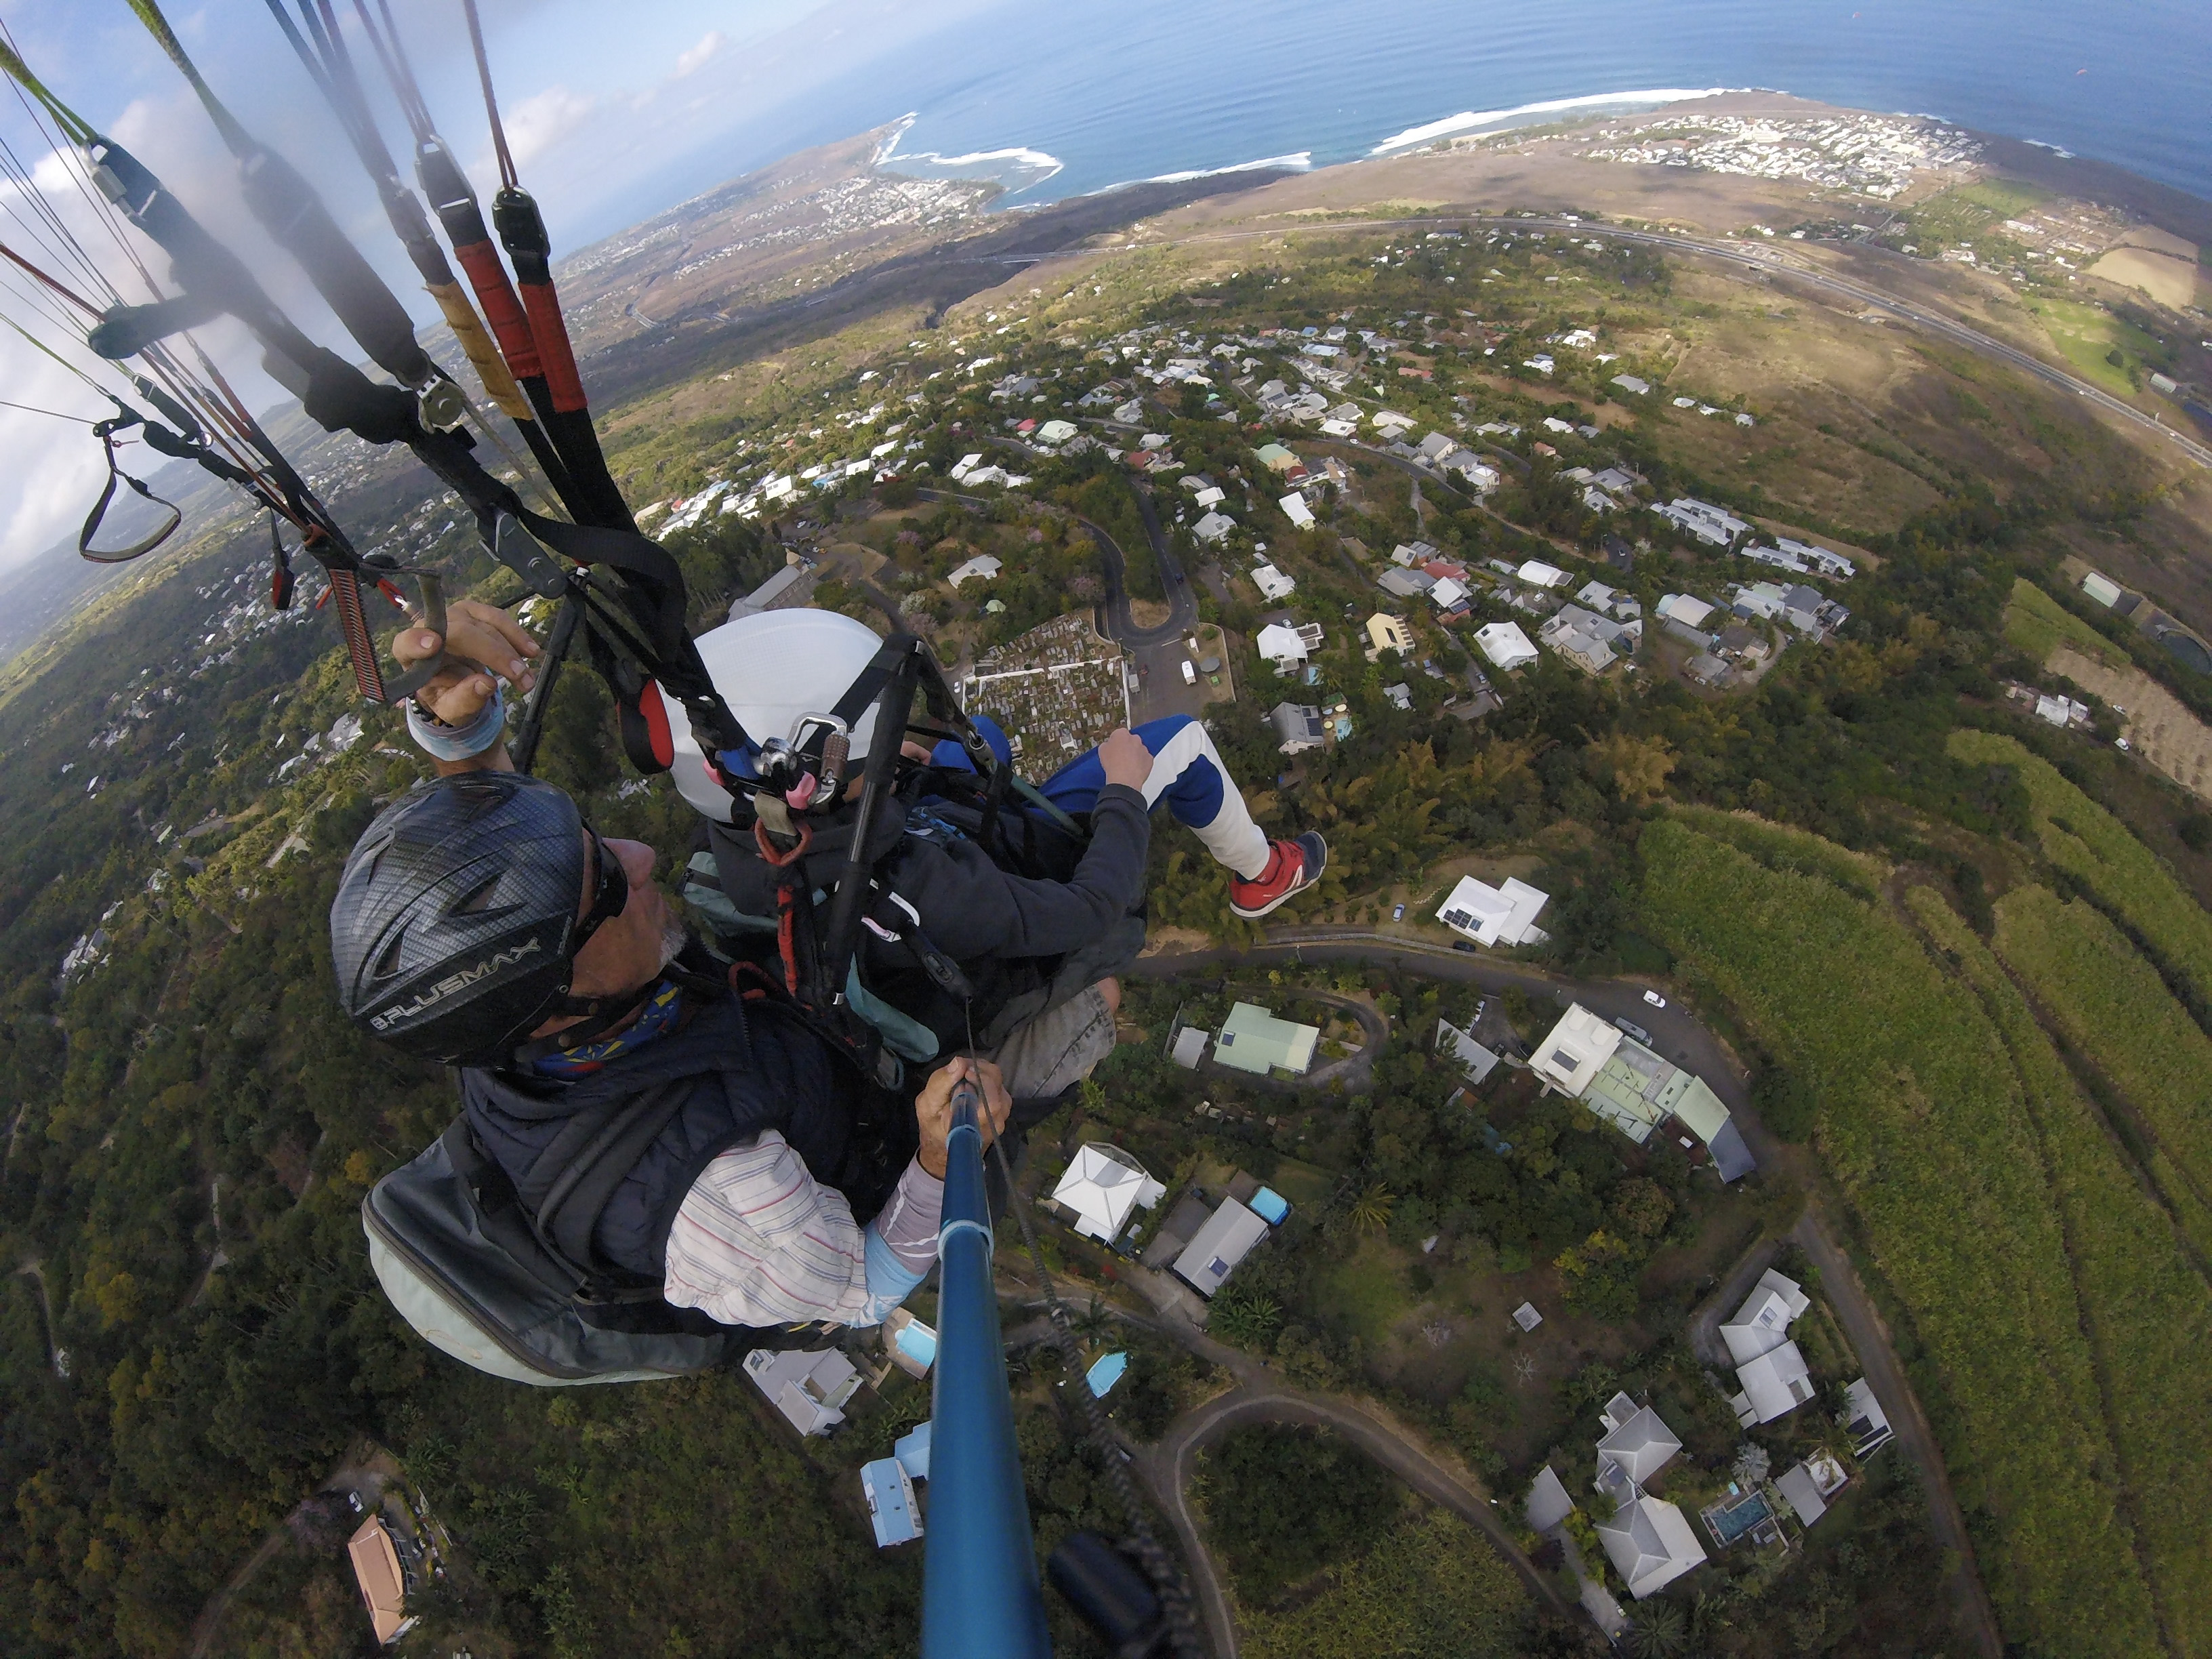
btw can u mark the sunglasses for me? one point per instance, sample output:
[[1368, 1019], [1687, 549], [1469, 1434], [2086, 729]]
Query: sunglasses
[[609, 893]]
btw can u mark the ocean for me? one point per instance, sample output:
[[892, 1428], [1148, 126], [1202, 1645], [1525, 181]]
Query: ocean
[[1060, 99]]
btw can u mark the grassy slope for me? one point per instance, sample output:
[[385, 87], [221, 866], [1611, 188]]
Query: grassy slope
[[2035, 624], [2111, 1004], [1942, 1166], [2088, 843], [2147, 1307]]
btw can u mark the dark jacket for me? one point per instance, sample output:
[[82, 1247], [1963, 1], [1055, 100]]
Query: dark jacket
[[739, 1069], [1010, 934]]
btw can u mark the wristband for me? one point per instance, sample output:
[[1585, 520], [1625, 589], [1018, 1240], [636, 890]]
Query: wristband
[[456, 742]]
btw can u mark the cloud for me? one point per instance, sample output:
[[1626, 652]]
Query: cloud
[[544, 119], [696, 57]]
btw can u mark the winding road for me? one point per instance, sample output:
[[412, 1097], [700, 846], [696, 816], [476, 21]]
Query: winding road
[[1677, 1033]]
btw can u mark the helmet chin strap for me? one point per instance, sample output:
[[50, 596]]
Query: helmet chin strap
[[602, 1014]]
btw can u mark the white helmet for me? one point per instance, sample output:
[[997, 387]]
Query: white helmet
[[773, 668]]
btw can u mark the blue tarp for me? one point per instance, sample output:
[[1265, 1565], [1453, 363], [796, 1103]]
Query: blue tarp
[[1269, 1206]]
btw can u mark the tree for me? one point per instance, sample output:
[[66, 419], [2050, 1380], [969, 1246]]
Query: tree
[[1660, 1631], [1371, 1211]]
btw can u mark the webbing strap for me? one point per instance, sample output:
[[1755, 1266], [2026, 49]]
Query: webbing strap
[[144, 545], [503, 310], [577, 1200], [483, 356]]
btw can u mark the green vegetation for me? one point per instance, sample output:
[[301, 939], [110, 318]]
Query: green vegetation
[[1779, 846], [2109, 1005], [1431, 1588], [1287, 1502], [2095, 848], [2097, 343], [2147, 1303], [2035, 625], [1920, 1123]]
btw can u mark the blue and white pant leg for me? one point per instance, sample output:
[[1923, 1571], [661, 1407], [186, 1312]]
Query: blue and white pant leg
[[1189, 777]]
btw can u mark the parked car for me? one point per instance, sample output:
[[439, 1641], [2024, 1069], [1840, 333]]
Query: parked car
[[1655, 999], [1633, 1030], [1466, 946], [1397, 913]]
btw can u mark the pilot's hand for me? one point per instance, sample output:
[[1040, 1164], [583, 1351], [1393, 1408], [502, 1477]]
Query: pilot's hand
[[1126, 759], [932, 1110], [478, 634]]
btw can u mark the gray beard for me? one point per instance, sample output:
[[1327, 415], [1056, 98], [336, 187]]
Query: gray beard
[[673, 938]]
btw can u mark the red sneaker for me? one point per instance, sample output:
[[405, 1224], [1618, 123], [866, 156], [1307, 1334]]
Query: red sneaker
[[1295, 864]]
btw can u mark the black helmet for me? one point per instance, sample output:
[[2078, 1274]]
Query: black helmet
[[453, 930]]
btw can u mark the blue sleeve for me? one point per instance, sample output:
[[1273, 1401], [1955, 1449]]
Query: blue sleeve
[[890, 1281]]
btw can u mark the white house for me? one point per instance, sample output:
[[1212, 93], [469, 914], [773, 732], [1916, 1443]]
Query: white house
[[1684, 608], [808, 1388], [1104, 1186], [1295, 508], [1412, 553], [1632, 383], [1495, 915], [1211, 496], [1637, 1444], [1447, 592], [1282, 645], [1770, 1372], [967, 464], [1055, 432], [1213, 526], [1648, 1538], [1471, 1058], [1537, 574], [1274, 583], [1709, 523], [1865, 1421], [1651, 1545], [982, 565], [1226, 1239], [1807, 1486], [1505, 645], [1576, 1050]]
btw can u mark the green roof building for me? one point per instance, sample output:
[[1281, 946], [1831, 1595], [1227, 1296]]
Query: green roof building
[[1253, 1040]]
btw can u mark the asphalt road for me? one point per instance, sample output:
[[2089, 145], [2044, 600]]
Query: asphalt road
[[1675, 1032]]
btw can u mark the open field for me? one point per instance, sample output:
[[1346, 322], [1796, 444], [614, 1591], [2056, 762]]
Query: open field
[[2147, 1303], [1921, 1127], [2163, 731], [2173, 282], [2086, 336]]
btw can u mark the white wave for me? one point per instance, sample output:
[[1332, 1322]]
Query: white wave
[[2062, 155], [1471, 119], [993, 163], [1296, 161]]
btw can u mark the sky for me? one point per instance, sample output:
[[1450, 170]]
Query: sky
[[602, 103]]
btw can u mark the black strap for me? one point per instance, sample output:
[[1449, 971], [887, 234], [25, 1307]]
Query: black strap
[[572, 1208], [105, 432]]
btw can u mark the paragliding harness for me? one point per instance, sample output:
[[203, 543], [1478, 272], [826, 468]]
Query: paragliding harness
[[850, 951]]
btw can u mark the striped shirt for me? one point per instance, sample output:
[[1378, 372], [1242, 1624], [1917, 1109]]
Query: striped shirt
[[759, 1242]]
